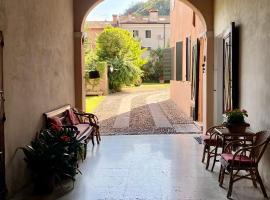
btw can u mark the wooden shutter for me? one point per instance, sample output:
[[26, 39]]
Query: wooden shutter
[[172, 64], [167, 63], [188, 57], [179, 61]]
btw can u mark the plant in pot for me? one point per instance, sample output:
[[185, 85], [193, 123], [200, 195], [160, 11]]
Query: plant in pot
[[53, 157], [161, 79], [235, 120]]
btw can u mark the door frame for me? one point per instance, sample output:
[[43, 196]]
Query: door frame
[[3, 189]]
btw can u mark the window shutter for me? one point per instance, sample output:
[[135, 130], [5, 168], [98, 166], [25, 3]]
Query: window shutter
[[179, 61], [172, 64], [188, 58]]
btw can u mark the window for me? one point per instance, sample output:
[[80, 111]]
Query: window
[[135, 33], [194, 19], [147, 34]]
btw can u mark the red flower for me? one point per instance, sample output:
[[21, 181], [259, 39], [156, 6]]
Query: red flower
[[65, 138]]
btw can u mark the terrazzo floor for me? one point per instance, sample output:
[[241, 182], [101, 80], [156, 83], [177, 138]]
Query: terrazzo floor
[[149, 167]]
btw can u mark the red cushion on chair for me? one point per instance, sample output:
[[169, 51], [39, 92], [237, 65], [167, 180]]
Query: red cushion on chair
[[55, 123], [72, 117], [239, 159], [211, 142]]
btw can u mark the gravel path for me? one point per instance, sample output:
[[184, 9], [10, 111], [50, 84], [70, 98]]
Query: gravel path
[[140, 118]]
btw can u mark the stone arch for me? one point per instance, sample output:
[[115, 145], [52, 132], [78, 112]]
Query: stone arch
[[204, 9]]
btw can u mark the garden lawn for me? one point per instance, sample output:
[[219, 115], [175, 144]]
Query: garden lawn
[[92, 102], [155, 85], [146, 87]]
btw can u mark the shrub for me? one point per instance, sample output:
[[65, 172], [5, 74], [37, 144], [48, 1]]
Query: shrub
[[153, 70], [124, 73]]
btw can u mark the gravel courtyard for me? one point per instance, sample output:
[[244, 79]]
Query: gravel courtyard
[[142, 111]]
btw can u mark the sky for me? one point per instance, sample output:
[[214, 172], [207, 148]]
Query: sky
[[107, 8]]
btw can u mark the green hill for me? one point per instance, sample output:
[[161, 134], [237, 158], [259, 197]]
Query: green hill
[[141, 8]]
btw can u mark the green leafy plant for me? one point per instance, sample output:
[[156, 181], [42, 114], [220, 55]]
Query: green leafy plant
[[236, 116], [120, 50], [53, 156], [124, 73], [153, 70]]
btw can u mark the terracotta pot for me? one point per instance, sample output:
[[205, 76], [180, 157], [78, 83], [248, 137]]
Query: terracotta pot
[[237, 128]]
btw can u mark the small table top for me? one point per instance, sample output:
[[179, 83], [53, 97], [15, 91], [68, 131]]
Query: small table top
[[225, 132]]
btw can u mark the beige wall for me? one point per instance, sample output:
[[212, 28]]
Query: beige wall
[[92, 35], [182, 97], [182, 27], [252, 16], [38, 71]]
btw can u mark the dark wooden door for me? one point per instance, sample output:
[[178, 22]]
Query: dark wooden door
[[2, 120], [195, 79], [230, 68]]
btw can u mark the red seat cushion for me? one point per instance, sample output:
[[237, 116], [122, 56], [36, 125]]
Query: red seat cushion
[[239, 159], [55, 123], [211, 142], [72, 117]]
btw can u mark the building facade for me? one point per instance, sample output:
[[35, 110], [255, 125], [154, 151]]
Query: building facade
[[187, 42], [153, 31], [93, 29]]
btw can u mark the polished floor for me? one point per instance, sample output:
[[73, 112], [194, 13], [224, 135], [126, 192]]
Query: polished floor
[[150, 167]]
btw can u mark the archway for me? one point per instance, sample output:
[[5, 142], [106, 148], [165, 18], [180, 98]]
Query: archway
[[82, 8]]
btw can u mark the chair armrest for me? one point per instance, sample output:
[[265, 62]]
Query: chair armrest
[[210, 132], [230, 145], [252, 150], [243, 151], [211, 129], [92, 119]]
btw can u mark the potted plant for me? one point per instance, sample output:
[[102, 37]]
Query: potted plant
[[52, 157], [161, 79], [235, 120]]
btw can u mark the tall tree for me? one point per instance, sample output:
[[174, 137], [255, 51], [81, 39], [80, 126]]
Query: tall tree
[[119, 49]]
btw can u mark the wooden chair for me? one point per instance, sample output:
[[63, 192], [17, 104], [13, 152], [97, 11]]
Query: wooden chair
[[211, 144], [92, 120], [246, 159]]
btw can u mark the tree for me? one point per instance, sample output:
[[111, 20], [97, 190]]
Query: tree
[[141, 8], [153, 70], [120, 50]]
